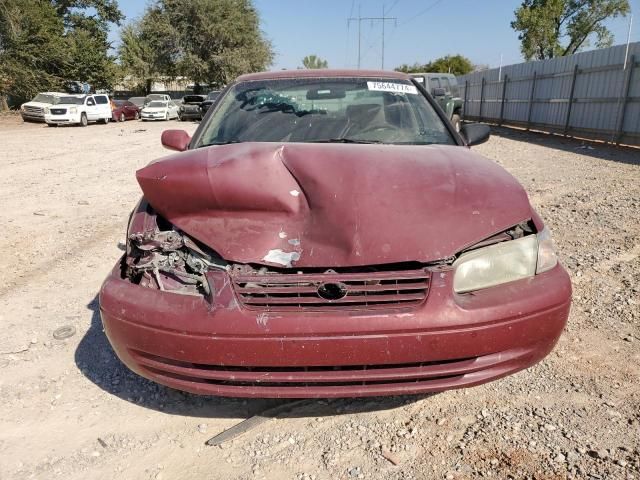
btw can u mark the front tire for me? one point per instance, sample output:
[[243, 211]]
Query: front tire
[[137, 116], [122, 117], [83, 120], [456, 122], [166, 117]]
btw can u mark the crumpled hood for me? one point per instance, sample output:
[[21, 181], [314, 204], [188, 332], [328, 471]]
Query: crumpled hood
[[327, 205]]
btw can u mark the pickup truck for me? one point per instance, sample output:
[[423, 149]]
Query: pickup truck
[[443, 87], [33, 111], [79, 109]]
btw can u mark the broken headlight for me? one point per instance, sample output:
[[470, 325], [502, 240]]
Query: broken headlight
[[504, 262], [161, 257]]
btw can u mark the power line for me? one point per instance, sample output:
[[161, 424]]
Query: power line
[[419, 14], [412, 18], [393, 5], [359, 19]]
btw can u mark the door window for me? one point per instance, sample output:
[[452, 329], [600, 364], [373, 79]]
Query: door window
[[90, 102], [434, 83], [445, 84]]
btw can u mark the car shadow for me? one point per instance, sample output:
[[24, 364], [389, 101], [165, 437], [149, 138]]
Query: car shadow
[[621, 154], [98, 362]]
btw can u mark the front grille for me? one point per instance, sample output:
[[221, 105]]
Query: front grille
[[331, 290], [30, 109], [58, 111]]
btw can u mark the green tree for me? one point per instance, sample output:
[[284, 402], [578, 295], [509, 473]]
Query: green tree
[[87, 25], [147, 50], [456, 64], [207, 41], [314, 62], [553, 28], [33, 50]]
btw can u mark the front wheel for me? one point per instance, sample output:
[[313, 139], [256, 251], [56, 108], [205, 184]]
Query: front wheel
[[166, 117], [83, 120], [137, 116], [456, 122], [122, 117]]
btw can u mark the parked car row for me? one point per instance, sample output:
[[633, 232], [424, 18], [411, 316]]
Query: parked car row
[[57, 108]]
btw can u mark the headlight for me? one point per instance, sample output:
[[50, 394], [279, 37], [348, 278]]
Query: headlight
[[46, 110], [504, 262], [73, 110]]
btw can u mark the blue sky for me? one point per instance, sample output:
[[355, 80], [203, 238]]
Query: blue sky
[[425, 29]]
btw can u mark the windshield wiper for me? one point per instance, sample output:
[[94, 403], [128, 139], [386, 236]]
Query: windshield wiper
[[346, 140], [226, 142]]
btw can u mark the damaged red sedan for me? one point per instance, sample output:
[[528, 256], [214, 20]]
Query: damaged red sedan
[[329, 234]]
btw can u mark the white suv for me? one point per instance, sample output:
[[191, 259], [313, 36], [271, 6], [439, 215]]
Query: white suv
[[79, 109]]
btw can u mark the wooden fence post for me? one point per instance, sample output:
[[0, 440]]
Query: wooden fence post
[[625, 99], [531, 98], [481, 99], [569, 107], [504, 93]]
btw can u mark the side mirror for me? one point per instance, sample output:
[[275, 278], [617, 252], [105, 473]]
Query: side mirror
[[438, 92], [175, 140], [475, 133]]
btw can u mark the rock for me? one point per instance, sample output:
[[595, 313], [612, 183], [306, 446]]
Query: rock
[[601, 454], [391, 457], [354, 471]]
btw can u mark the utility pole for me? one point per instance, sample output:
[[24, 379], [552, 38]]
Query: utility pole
[[359, 19]]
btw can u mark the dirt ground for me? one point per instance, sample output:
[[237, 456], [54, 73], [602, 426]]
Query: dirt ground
[[69, 409]]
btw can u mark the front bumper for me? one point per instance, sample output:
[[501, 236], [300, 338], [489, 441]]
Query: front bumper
[[213, 346], [32, 116], [156, 116], [65, 119], [195, 115]]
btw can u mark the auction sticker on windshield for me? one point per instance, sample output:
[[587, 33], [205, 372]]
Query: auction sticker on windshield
[[392, 87]]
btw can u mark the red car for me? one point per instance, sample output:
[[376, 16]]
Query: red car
[[329, 234], [124, 110]]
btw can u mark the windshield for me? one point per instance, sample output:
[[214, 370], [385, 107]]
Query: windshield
[[155, 96], [192, 99], [42, 98], [157, 104], [357, 110], [71, 100]]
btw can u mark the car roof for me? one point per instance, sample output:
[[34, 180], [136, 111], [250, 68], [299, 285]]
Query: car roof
[[323, 73], [434, 74]]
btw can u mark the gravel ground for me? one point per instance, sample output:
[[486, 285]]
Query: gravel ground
[[69, 409]]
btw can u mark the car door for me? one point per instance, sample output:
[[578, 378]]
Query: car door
[[91, 108], [103, 106]]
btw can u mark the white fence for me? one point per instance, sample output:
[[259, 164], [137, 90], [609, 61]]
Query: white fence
[[592, 94]]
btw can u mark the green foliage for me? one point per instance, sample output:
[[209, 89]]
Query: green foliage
[[33, 51], [552, 28], [44, 43], [314, 62], [207, 41], [456, 64]]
